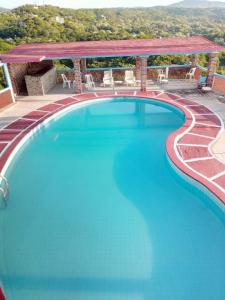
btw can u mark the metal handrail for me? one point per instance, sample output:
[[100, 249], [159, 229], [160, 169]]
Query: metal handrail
[[4, 190]]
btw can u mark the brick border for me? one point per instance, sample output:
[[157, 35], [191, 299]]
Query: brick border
[[2, 296], [188, 147]]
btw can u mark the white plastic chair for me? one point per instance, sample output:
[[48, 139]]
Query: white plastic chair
[[161, 75], [163, 78], [89, 81], [191, 73], [108, 78], [130, 78], [65, 81]]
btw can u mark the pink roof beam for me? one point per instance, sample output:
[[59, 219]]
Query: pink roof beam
[[143, 47]]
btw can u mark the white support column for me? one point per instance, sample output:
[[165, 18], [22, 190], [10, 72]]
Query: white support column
[[8, 80]]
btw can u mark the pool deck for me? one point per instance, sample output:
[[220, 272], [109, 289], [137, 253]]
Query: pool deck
[[197, 148]]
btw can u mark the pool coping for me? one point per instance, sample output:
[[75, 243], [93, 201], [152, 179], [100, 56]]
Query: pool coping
[[188, 147]]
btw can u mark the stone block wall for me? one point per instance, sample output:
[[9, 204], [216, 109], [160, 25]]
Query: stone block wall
[[17, 74], [40, 84], [49, 80], [19, 71], [34, 85], [39, 67], [144, 73], [213, 58], [77, 75]]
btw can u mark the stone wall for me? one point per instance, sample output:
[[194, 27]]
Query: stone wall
[[17, 74], [40, 84], [213, 58], [144, 73], [39, 67], [19, 71], [49, 79], [77, 75]]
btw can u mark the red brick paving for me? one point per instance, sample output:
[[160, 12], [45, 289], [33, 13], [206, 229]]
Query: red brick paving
[[190, 152]]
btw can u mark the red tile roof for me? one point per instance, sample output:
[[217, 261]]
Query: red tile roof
[[41, 51]]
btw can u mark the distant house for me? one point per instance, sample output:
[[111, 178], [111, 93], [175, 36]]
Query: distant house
[[59, 19]]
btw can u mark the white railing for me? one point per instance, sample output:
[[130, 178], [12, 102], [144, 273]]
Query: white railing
[[4, 90], [4, 188]]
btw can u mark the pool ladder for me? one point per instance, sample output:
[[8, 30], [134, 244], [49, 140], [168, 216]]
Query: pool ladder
[[4, 188]]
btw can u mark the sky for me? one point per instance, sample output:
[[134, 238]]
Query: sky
[[89, 3]]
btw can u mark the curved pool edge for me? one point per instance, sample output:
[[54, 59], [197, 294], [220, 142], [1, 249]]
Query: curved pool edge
[[188, 147], [2, 296]]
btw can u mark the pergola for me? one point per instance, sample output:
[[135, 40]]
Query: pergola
[[78, 52]]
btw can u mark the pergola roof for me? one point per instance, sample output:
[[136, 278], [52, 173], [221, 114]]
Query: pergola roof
[[143, 47]]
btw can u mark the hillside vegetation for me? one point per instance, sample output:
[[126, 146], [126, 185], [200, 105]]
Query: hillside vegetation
[[30, 23]]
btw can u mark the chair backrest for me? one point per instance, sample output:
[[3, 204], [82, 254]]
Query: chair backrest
[[89, 79], [108, 80], [108, 74], [129, 75], [192, 71], [64, 77]]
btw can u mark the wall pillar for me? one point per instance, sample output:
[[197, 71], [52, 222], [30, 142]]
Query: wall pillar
[[213, 58], [194, 60], [77, 75], [138, 68], [144, 61], [83, 65], [17, 74]]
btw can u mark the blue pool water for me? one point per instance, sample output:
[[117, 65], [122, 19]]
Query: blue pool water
[[96, 212]]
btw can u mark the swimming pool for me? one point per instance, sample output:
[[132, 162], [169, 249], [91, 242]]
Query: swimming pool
[[95, 211]]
